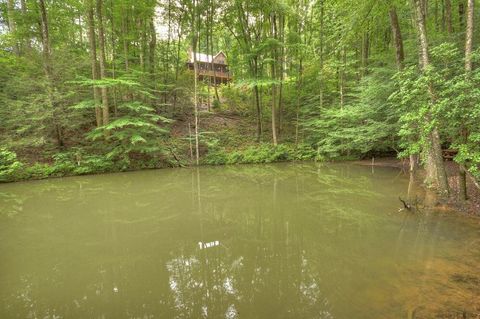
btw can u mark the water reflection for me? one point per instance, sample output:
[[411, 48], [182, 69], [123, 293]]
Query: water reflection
[[275, 241]]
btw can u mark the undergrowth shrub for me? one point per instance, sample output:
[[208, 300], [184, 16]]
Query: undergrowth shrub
[[38, 171], [10, 167], [80, 163], [256, 154]]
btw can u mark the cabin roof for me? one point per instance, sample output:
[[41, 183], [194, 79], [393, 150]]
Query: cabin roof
[[202, 57]]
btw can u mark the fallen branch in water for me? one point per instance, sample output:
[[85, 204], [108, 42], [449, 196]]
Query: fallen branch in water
[[405, 204]]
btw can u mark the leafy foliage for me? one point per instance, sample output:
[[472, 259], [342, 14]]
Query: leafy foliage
[[137, 130], [9, 165], [320, 76], [366, 125], [257, 154], [455, 113]]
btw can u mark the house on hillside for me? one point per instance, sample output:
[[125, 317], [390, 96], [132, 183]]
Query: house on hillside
[[212, 68]]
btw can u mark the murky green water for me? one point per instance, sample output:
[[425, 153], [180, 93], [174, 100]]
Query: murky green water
[[279, 241]]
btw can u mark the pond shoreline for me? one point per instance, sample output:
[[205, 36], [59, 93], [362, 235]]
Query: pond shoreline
[[470, 207], [335, 226], [452, 204]]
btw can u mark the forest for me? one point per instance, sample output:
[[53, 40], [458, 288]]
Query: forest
[[90, 86], [122, 123]]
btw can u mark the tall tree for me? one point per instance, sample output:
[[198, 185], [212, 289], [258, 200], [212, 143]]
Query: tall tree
[[195, 36], [435, 166], [462, 179], [321, 53], [152, 48], [448, 16], [400, 60], [461, 13], [469, 35], [273, 72], [397, 37], [27, 41], [248, 31], [281, 69], [47, 66], [365, 52], [12, 24], [93, 59], [102, 58]]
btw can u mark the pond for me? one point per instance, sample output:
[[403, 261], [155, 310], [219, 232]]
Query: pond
[[273, 241]]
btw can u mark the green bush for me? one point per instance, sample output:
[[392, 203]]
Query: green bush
[[10, 167], [305, 152], [78, 162], [138, 131], [94, 164], [216, 104], [64, 165], [38, 171], [261, 153], [367, 124]]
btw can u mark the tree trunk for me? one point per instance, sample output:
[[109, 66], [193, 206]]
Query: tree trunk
[[49, 72], [274, 86], [177, 68], [195, 32], [469, 36], [125, 40], [435, 165], [152, 47], [259, 113], [151, 55], [322, 40], [365, 53], [143, 43], [443, 16], [297, 111], [28, 43], [462, 178], [274, 115], [400, 58], [93, 60], [210, 66], [80, 28], [461, 14], [448, 16], [215, 87], [397, 37], [190, 142], [462, 183], [166, 57], [45, 40], [257, 100], [101, 42], [281, 71], [343, 56], [114, 56], [11, 25]]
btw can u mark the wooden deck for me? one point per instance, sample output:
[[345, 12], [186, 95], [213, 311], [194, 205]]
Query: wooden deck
[[218, 74], [216, 78]]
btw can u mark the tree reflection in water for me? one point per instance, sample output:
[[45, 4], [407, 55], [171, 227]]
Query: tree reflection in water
[[276, 241]]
